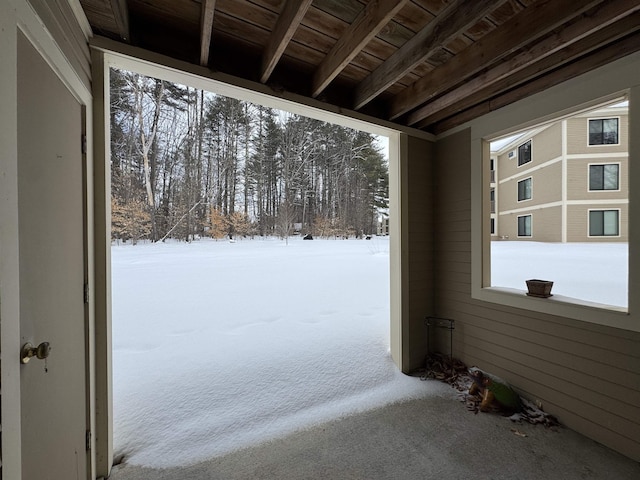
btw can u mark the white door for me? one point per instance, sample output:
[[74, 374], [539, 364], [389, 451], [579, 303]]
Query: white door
[[52, 272]]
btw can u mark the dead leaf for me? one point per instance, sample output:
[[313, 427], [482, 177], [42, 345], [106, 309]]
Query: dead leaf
[[518, 432]]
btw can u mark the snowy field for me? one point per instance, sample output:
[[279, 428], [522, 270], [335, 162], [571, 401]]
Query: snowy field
[[596, 272], [220, 345]]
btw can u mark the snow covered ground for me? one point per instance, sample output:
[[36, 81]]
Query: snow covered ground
[[219, 345], [596, 272]]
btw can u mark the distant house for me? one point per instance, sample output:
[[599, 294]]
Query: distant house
[[564, 182], [383, 224]]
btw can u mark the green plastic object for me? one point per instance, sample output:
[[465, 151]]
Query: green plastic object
[[502, 392]]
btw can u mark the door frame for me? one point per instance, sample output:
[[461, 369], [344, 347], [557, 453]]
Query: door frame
[[20, 16], [106, 53]]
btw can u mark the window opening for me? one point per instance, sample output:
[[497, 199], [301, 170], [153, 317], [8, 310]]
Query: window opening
[[604, 223], [604, 177], [603, 131], [524, 153], [524, 226], [524, 189], [206, 154], [573, 218]]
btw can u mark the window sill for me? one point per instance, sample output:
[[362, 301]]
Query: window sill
[[561, 306]]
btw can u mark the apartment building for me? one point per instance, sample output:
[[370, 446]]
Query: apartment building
[[564, 182]]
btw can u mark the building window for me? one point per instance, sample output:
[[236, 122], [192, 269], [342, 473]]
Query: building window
[[524, 153], [604, 223], [524, 226], [493, 226], [604, 177], [524, 189], [571, 216], [603, 131]]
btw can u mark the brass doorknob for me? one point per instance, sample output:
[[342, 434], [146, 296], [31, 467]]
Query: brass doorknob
[[28, 351]]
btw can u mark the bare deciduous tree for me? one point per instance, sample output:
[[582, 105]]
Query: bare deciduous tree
[[192, 157]]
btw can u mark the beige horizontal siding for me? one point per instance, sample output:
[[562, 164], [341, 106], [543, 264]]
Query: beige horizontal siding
[[546, 187], [578, 179], [419, 219], [545, 146], [547, 184], [586, 374], [578, 222], [612, 428], [578, 136], [546, 224], [580, 400]]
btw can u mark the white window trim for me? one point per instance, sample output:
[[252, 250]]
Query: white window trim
[[583, 93], [596, 145], [518, 226], [601, 209], [589, 165], [518, 189]]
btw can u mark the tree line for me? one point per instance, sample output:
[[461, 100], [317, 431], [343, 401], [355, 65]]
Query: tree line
[[188, 163]]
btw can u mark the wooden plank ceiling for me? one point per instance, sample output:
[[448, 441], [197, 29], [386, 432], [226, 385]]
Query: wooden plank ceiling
[[430, 64]]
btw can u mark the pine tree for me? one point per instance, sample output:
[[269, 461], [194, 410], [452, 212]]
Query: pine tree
[[188, 154]]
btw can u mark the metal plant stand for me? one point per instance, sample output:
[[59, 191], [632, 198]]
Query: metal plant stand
[[435, 324]]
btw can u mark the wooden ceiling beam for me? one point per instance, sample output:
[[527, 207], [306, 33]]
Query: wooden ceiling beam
[[286, 26], [528, 25], [574, 52], [592, 30], [375, 15], [611, 53], [206, 29], [121, 17], [457, 17]]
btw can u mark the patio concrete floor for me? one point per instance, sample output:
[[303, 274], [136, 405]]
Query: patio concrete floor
[[431, 438]]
